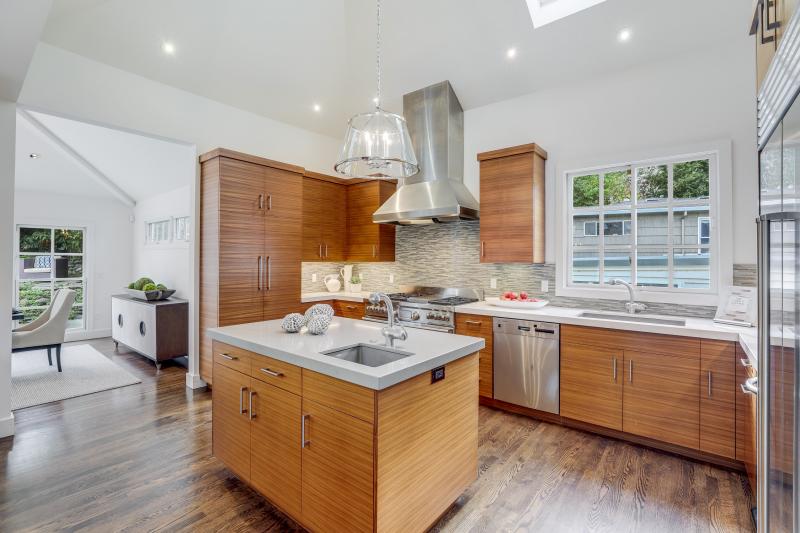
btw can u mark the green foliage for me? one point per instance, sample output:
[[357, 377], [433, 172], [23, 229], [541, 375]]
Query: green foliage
[[162, 287], [149, 287], [355, 280], [141, 282], [586, 191], [690, 179], [617, 187], [39, 240], [132, 285], [653, 182]]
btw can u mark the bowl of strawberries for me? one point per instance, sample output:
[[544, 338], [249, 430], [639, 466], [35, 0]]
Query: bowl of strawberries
[[520, 300]]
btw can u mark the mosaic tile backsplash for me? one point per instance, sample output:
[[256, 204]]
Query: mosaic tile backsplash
[[447, 255]]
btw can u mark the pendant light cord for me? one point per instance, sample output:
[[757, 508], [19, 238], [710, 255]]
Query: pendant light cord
[[378, 55]]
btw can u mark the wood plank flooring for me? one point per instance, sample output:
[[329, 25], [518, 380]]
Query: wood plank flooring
[[139, 459]]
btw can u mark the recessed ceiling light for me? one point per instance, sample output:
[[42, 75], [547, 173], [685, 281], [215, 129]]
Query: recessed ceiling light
[[624, 35], [34, 155], [168, 48], [511, 53], [317, 108]]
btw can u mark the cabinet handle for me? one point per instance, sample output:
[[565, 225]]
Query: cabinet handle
[[373, 251], [269, 273], [271, 372], [709, 383], [260, 273], [303, 441], [142, 329], [320, 251], [269, 202], [252, 411], [483, 248], [241, 400], [261, 201], [630, 370], [351, 307], [228, 357], [614, 367], [473, 322], [326, 250], [746, 363]]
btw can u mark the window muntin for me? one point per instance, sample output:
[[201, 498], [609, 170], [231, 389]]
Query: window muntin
[[50, 258], [656, 220]]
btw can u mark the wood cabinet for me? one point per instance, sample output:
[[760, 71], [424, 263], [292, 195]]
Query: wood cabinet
[[480, 326], [367, 241], [251, 240], [347, 309], [324, 218], [661, 397], [718, 398], [512, 191], [231, 423], [591, 384], [159, 330]]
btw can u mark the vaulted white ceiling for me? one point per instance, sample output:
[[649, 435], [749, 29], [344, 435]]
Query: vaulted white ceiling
[[279, 58]]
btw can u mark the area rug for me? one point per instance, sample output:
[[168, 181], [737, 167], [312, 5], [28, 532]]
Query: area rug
[[85, 371]]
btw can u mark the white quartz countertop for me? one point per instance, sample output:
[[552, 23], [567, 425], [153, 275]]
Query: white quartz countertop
[[703, 328], [307, 297], [430, 349]]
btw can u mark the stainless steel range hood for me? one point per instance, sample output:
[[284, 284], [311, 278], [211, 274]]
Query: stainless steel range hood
[[437, 193]]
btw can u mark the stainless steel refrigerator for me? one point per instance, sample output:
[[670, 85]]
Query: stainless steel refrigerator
[[778, 228]]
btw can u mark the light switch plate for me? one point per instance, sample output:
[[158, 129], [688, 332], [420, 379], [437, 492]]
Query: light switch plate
[[545, 285], [493, 283], [313, 278]]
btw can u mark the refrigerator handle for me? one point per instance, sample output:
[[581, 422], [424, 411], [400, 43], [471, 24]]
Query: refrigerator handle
[[762, 462]]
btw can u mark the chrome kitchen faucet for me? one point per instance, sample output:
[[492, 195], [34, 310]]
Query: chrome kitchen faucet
[[392, 331]]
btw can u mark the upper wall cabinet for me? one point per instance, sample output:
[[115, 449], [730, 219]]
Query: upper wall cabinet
[[324, 218], [366, 240], [512, 205]]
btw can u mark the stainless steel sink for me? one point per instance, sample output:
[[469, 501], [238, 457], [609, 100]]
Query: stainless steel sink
[[368, 354], [634, 318]]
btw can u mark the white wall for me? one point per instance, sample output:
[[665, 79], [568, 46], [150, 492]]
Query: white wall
[[109, 245], [170, 264], [8, 127], [690, 100]]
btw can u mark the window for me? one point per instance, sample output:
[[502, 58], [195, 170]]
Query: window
[[656, 225], [50, 258], [181, 229]]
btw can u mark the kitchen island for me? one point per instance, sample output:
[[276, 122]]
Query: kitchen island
[[340, 445]]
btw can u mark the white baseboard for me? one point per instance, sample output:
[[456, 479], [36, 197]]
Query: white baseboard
[[86, 335], [7, 425], [194, 381]]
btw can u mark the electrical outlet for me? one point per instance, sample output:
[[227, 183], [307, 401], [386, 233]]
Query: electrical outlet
[[313, 278], [545, 285], [493, 283], [391, 278]]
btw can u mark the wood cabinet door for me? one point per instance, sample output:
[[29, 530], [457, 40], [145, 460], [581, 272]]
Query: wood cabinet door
[[338, 490], [366, 240], [661, 397], [283, 229], [507, 196], [231, 425], [275, 463], [591, 384], [313, 216], [480, 326], [334, 221], [718, 398], [241, 241]]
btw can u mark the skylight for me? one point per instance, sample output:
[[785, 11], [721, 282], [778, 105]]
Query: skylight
[[547, 11]]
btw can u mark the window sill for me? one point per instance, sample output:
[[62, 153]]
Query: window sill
[[705, 298]]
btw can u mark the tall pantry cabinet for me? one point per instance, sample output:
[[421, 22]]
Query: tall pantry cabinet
[[251, 235]]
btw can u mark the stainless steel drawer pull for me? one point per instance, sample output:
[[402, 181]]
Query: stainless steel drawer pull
[[709, 383], [261, 201], [260, 273], [271, 372], [269, 202], [746, 363], [269, 273], [241, 400], [320, 251], [303, 441], [228, 357], [750, 386], [473, 322], [630, 370], [351, 307], [252, 411], [483, 248], [615, 369]]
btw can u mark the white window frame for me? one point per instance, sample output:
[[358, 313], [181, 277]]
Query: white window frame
[[700, 222], [720, 213], [171, 241]]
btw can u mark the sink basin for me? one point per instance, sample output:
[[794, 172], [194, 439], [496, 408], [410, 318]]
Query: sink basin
[[368, 354], [634, 318]]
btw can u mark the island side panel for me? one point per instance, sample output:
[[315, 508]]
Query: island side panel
[[427, 446]]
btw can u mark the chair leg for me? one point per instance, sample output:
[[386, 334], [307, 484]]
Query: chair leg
[[49, 355], [58, 356]]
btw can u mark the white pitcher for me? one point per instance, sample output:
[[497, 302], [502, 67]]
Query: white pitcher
[[347, 274]]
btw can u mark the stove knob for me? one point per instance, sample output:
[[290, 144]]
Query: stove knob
[[430, 316], [414, 315]]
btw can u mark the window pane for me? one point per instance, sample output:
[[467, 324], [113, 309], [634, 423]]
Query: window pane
[[586, 191], [35, 266], [617, 188], [33, 293], [617, 229], [651, 226], [34, 240], [585, 229], [687, 225], [585, 267], [691, 268], [69, 241], [652, 268], [75, 320], [616, 265], [69, 266], [651, 183], [690, 179], [76, 286]]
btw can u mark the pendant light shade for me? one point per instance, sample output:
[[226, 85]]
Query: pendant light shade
[[377, 146]]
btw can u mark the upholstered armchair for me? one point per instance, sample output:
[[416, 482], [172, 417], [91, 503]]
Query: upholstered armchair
[[48, 330]]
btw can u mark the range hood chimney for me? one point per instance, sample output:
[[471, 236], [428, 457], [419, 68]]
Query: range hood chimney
[[437, 193]]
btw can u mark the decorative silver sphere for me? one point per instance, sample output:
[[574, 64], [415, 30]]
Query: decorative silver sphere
[[293, 322]]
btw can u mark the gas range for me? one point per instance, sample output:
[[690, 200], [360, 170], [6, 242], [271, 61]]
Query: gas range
[[424, 307]]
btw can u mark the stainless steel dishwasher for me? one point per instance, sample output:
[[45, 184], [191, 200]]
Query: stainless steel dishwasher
[[526, 361]]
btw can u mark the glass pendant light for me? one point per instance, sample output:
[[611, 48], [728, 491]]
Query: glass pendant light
[[377, 144]]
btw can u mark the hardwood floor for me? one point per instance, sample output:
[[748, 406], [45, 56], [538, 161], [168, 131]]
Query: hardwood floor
[[139, 459]]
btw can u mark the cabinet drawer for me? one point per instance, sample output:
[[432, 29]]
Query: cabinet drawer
[[343, 396], [283, 375], [354, 310], [232, 357]]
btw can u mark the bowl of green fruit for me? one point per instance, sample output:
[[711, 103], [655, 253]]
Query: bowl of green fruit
[[147, 289]]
